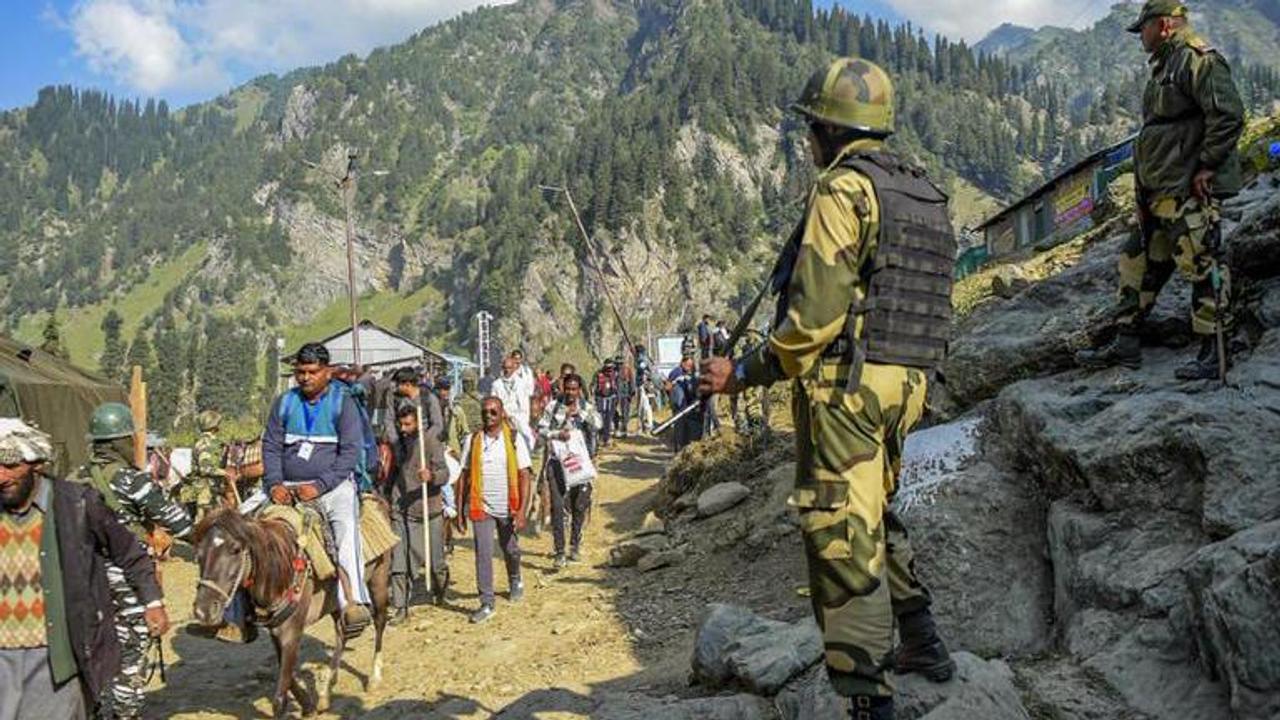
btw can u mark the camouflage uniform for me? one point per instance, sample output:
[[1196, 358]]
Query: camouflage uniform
[[849, 435], [1192, 118], [207, 484], [140, 504]]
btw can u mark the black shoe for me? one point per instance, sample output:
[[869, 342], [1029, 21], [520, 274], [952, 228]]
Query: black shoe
[[574, 555], [1205, 364], [399, 617], [516, 593], [1125, 350], [561, 561], [921, 650], [482, 615], [871, 707]]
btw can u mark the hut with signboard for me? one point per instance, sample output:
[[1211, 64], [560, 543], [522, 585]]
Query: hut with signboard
[[1061, 208]]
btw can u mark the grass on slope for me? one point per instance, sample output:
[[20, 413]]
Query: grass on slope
[[386, 308], [81, 327]]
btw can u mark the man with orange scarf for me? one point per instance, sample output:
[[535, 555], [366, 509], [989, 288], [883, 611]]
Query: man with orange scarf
[[495, 485]]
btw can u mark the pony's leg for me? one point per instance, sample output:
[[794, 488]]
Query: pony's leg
[[380, 593], [329, 681], [285, 659]]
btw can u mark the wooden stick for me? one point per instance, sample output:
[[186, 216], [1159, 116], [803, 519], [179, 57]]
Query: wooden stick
[[426, 505], [138, 407]]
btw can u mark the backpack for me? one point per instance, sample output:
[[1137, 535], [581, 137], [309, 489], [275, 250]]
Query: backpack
[[367, 460]]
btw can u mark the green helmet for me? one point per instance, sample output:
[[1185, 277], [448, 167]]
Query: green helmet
[[110, 421], [209, 420], [851, 93]]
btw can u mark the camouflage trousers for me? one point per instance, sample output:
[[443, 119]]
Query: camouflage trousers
[[1176, 233], [861, 570], [124, 698]]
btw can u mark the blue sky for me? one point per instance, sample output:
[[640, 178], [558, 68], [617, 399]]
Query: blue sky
[[191, 50]]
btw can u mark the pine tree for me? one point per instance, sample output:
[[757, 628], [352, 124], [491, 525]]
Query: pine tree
[[165, 388], [140, 354], [52, 335], [111, 362]]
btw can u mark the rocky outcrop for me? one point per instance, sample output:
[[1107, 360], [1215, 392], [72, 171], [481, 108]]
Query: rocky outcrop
[[737, 649]]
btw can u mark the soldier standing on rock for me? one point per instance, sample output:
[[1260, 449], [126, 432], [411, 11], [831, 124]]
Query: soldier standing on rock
[[864, 312], [142, 506], [1185, 162]]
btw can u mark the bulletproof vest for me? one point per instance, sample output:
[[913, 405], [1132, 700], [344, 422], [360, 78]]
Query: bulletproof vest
[[906, 315]]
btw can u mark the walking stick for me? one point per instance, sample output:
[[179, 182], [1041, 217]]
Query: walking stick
[[1215, 278], [426, 505]]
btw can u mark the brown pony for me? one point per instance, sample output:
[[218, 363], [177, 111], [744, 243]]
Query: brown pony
[[262, 556]]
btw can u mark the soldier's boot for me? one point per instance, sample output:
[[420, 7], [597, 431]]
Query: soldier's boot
[[922, 650], [1205, 364], [1125, 350], [871, 707], [439, 587]]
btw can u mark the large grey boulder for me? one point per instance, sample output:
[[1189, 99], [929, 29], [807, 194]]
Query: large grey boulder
[[980, 689], [720, 497], [629, 552], [1234, 602], [978, 533], [737, 648]]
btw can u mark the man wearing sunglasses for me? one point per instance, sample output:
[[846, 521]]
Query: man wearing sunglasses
[[496, 475]]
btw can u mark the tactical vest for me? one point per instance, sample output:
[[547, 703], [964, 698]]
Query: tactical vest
[[906, 313], [906, 316]]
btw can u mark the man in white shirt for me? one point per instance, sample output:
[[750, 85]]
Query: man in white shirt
[[516, 396], [496, 474]]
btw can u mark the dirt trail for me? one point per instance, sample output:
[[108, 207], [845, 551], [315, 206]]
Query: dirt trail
[[566, 633]]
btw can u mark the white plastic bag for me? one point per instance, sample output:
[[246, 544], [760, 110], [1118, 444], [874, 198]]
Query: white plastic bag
[[574, 458]]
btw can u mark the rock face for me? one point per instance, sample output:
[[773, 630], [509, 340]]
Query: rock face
[[718, 498], [1133, 520], [735, 646], [630, 706]]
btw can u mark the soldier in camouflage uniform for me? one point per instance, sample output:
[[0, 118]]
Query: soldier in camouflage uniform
[[1185, 162], [209, 484], [864, 312], [143, 506]]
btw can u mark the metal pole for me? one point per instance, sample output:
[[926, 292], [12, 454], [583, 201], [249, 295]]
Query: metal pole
[[586, 239], [348, 185]]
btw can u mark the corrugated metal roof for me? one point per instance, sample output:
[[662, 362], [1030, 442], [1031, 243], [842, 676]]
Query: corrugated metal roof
[[1049, 184]]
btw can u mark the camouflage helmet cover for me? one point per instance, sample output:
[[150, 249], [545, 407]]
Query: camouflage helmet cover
[[110, 421], [209, 420], [851, 93]]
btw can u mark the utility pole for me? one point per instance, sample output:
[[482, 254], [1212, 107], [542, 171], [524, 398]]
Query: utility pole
[[348, 187], [483, 341], [594, 261]]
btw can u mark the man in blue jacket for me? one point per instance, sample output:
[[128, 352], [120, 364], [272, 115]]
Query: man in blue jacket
[[310, 449]]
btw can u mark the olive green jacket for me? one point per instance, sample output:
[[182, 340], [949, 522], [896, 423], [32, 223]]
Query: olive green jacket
[[1192, 117]]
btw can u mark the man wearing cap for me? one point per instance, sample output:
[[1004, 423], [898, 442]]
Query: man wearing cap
[[1185, 163], [58, 650]]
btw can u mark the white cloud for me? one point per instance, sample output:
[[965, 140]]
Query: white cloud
[[973, 20], [156, 46]]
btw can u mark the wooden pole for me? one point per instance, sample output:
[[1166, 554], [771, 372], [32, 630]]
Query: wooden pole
[[138, 406], [426, 505]]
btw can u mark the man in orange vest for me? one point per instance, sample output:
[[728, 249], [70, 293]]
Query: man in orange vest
[[497, 471]]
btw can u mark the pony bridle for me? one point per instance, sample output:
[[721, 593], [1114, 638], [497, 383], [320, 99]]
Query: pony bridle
[[246, 566]]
